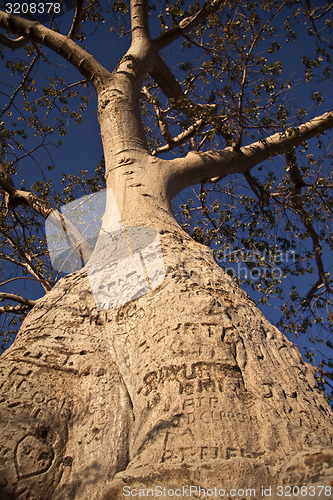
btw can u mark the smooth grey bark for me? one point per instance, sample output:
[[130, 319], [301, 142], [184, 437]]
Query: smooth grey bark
[[188, 384]]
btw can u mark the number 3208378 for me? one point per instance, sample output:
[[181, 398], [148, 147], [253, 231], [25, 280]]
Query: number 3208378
[[33, 8]]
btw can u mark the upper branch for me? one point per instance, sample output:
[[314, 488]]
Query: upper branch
[[67, 48], [76, 20], [195, 167], [170, 86], [139, 20], [187, 24]]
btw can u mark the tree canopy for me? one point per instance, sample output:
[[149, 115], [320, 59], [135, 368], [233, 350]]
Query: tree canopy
[[246, 81]]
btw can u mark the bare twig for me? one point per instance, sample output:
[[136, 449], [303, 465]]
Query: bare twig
[[187, 24], [26, 76], [204, 209], [13, 43], [298, 205], [27, 261], [257, 188]]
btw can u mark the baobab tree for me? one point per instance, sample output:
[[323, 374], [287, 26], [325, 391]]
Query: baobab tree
[[186, 385]]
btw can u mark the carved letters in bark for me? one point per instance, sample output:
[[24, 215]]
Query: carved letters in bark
[[189, 384]]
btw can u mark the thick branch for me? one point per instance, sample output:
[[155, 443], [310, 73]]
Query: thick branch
[[139, 20], [187, 24], [198, 166], [17, 298], [60, 44]]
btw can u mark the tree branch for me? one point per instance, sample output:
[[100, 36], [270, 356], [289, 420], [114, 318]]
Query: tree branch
[[171, 142], [19, 197], [257, 37], [28, 264], [180, 139], [204, 209], [313, 290], [298, 183], [170, 86], [17, 298], [26, 76], [139, 20], [29, 267], [61, 44], [259, 191], [187, 24], [14, 309], [195, 167], [13, 44], [76, 20], [160, 115]]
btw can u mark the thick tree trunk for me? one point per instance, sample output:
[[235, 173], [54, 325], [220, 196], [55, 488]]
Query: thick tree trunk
[[187, 385]]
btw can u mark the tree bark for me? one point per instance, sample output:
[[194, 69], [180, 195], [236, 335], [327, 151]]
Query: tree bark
[[187, 385]]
